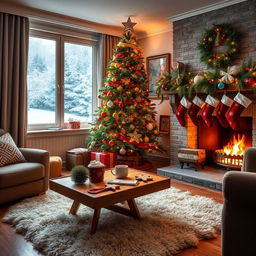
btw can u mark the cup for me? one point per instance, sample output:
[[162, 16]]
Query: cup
[[96, 172], [120, 171]]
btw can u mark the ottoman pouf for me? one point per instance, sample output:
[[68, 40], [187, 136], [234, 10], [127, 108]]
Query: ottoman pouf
[[55, 166]]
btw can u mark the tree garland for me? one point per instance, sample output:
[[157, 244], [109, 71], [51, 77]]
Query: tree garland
[[219, 35]]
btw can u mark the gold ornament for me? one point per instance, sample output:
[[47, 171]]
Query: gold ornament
[[150, 126], [119, 88], [136, 89], [146, 139], [113, 79], [155, 131], [198, 78], [135, 136], [110, 103], [115, 115]]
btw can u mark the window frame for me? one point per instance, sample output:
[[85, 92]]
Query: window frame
[[61, 39]]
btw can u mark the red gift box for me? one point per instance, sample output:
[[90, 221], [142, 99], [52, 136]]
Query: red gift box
[[108, 159]]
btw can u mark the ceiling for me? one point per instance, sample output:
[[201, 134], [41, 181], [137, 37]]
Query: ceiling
[[151, 15]]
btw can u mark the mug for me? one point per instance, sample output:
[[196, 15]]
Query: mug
[[120, 171]]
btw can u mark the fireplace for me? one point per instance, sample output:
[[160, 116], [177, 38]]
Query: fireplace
[[224, 146]]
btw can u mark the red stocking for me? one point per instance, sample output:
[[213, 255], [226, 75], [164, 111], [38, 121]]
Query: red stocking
[[221, 110], [233, 114], [196, 105], [207, 110], [182, 110]]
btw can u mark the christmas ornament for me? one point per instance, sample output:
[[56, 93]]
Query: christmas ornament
[[182, 110], [122, 151], [135, 136], [150, 126], [221, 85], [198, 78], [110, 103], [128, 25], [115, 115], [104, 142], [207, 110], [233, 114], [132, 127], [119, 88], [221, 110], [103, 114], [194, 109], [252, 81], [146, 139], [227, 77], [111, 143]]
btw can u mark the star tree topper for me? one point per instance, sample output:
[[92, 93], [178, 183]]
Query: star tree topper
[[128, 25]]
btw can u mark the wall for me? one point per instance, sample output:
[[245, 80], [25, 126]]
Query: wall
[[188, 32], [186, 35], [155, 45]]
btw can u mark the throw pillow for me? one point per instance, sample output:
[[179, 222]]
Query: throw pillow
[[9, 152]]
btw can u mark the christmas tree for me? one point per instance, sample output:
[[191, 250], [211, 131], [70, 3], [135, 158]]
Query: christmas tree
[[126, 118]]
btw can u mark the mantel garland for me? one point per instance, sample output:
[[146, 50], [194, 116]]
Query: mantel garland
[[185, 83], [221, 35]]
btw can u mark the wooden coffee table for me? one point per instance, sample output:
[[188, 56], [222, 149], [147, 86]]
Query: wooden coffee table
[[109, 199]]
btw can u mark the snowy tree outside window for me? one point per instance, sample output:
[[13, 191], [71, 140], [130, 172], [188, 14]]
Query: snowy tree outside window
[[42, 81]]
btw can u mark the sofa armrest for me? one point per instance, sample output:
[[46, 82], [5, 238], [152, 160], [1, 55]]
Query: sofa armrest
[[240, 188], [38, 156]]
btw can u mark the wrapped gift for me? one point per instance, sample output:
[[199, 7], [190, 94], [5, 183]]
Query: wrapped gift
[[107, 158], [77, 156]]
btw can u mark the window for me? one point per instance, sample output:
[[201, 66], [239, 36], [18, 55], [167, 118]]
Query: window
[[61, 80]]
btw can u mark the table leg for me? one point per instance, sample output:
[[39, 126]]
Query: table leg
[[74, 207], [95, 220], [134, 209]]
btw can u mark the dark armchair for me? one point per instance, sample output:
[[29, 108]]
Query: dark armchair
[[239, 211]]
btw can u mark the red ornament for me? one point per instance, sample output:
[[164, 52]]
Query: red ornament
[[164, 87], [99, 119], [103, 114], [116, 101], [121, 104], [104, 142], [252, 81], [124, 94], [111, 143], [128, 64]]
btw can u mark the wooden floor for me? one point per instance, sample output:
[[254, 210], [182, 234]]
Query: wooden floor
[[13, 244]]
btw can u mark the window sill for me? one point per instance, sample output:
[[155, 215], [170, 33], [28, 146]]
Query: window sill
[[54, 133]]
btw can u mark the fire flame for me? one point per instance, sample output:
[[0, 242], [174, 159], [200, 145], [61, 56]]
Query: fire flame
[[235, 146]]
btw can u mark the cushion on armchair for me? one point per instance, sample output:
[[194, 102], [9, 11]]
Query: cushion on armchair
[[9, 152]]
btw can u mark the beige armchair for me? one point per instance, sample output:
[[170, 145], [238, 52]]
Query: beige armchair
[[25, 179], [239, 211]]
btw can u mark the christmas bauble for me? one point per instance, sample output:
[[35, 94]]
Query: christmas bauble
[[155, 131], [111, 143], [109, 94], [119, 88], [136, 89], [113, 79], [198, 78], [252, 81], [104, 142], [122, 151], [132, 127], [103, 114], [123, 131], [146, 139], [221, 85], [115, 115], [150, 126], [110, 103]]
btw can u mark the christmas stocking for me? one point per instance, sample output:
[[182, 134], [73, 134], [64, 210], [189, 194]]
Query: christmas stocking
[[196, 105], [233, 114], [207, 110], [221, 110], [182, 110]]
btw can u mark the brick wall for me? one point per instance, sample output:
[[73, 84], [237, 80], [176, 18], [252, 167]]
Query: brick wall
[[186, 35], [188, 32]]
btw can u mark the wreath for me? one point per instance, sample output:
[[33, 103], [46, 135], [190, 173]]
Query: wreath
[[219, 35]]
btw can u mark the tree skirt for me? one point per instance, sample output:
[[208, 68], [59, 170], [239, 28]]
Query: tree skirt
[[171, 221]]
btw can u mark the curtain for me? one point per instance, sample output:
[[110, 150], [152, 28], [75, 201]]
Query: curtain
[[107, 43], [14, 36]]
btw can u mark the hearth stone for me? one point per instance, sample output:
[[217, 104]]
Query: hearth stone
[[210, 177]]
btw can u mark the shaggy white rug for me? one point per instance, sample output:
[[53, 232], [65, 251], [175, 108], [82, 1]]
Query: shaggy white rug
[[172, 221]]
